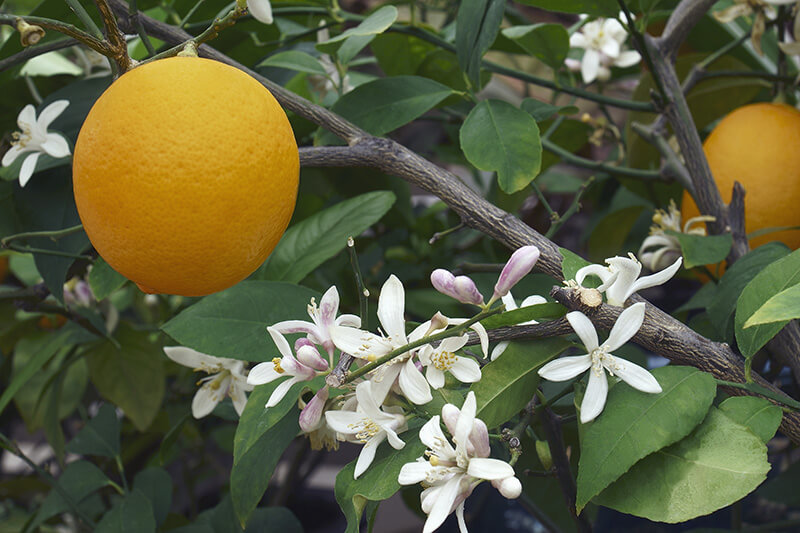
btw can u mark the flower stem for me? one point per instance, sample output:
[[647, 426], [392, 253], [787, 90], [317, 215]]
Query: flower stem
[[92, 42], [363, 292]]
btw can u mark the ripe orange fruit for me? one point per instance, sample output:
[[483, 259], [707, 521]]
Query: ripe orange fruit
[[757, 145], [185, 175]]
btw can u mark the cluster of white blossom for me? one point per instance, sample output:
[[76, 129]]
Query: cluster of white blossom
[[603, 44]]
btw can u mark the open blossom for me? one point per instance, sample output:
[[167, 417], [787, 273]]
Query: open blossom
[[602, 41], [451, 473], [227, 378], [33, 137], [660, 250], [511, 305], [368, 425], [600, 359], [443, 359], [303, 368], [620, 280]]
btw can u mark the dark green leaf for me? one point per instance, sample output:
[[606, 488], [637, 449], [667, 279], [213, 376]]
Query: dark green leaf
[[295, 60], [547, 42], [477, 25], [79, 479], [607, 8], [509, 382], [233, 323], [156, 484], [760, 415], [701, 299], [717, 464], [131, 376], [782, 307], [730, 286], [104, 280], [276, 519], [385, 47], [376, 23], [635, 424], [496, 136], [379, 482], [572, 263], [531, 312], [132, 514], [702, 249], [774, 278], [314, 240], [100, 436], [542, 110], [611, 232]]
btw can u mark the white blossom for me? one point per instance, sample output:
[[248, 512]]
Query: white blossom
[[620, 279], [659, 249], [443, 359], [602, 41]]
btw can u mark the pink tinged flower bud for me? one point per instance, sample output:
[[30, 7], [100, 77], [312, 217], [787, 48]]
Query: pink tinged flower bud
[[311, 415], [443, 281], [519, 265], [466, 291], [310, 357], [509, 487], [479, 438], [305, 341], [83, 293]]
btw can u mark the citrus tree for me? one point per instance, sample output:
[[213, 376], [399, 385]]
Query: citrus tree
[[173, 358]]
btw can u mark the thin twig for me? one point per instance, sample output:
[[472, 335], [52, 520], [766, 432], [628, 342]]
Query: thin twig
[[35, 51]]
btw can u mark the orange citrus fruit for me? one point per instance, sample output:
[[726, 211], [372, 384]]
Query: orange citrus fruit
[[757, 145], [185, 175]]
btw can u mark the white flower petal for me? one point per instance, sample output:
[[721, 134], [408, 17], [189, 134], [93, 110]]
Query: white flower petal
[[590, 65], [465, 420], [634, 375], [395, 441], [359, 343], [658, 278], [193, 359], [264, 373], [344, 422], [431, 435], [28, 166], [413, 473], [328, 307], [296, 326], [443, 503], [281, 342], [280, 391], [435, 377], [27, 118], [489, 469], [238, 397], [534, 299], [578, 40], [55, 146], [11, 155], [626, 326], [348, 320], [413, 384], [391, 307], [207, 397], [367, 402], [499, 349], [592, 270], [462, 524], [383, 380], [628, 270], [584, 328], [566, 367], [466, 370], [610, 47], [594, 399], [509, 301], [628, 58], [50, 113], [367, 454]]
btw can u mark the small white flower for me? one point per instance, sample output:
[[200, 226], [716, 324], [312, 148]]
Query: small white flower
[[261, 10], [660, 250], [444, 359], [227, 378], [33, 137], [451, 473], [621, 278], [511, 305], [600, 359], [305, 367], [602, 41], [368, 425]]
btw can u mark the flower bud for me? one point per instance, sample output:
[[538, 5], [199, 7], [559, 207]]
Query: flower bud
[[310, 357], [519, 264], [311, 415], [443, 281], [509, 487], [303, 341], [466, 291]]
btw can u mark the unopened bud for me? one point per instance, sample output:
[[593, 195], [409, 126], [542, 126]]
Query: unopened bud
[[310, 357], [509, 487], [519, 265], [311, 415], [461, 288], [29, 33]]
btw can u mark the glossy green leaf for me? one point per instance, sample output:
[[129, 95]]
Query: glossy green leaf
[[702, 249], [547, 310], [295, 60], [379, 481], [385, 104], [156, 484], [104, 280], [415, 50], [79, 479], [542, 110], [547, 42], [719, 463], [635, 424], [759, 414], [496, 136], [730, 286], [571, 263], [509, 382], [314, 240], [233, 323], [477, 26], [100, 436], [376, 23], [132, 514], [607, 8], [131, 376], [773, 279], [782, 307]]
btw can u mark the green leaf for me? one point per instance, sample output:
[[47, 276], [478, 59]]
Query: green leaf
[[385, 104], [104, 280], [605, 8], [610, 233], [261, 437], [782, 307], [773, 279], [531, 312], [385, 47], [541, 111], [571, 263], [760, 415], [508, 383], [131, 376], [379, 482], [79, 480], [156, 484], [233, 323], [717, 464], [477, 25], [496, 136], [132, 514], [273, 519], [295, 60], [376, 23], [635, 424], [702, 249], [100, 436], [314, 240], [549, 43], [730, 286]]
